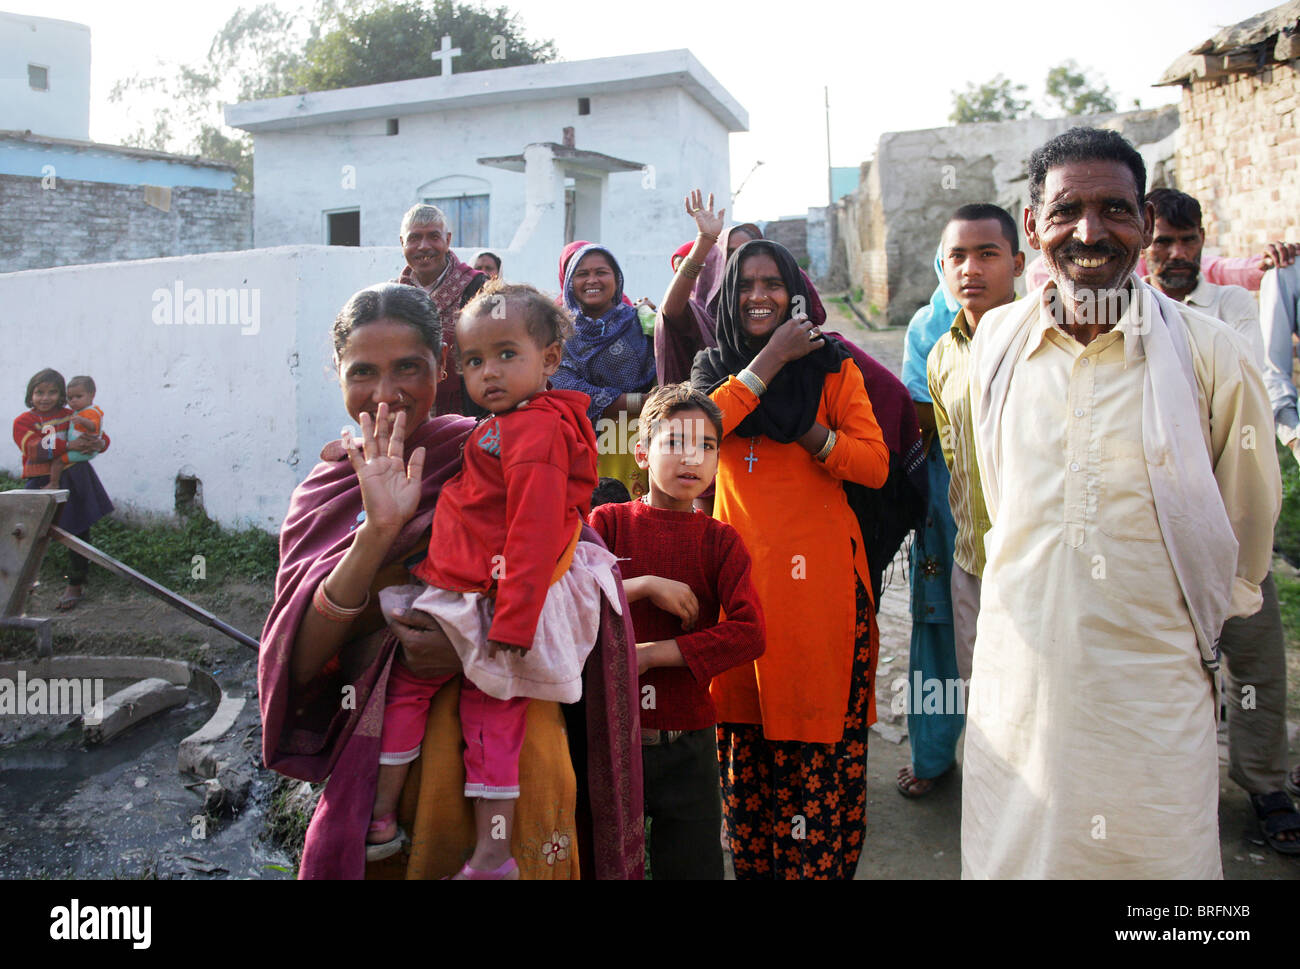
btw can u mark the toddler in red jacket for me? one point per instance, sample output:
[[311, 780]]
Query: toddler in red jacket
[[508, 581]]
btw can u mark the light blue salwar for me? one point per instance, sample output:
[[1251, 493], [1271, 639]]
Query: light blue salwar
[[933, 652]]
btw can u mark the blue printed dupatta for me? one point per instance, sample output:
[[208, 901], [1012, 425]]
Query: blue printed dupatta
[[608, 356]]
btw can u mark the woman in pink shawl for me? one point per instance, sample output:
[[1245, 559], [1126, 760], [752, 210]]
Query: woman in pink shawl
[[356, 525]]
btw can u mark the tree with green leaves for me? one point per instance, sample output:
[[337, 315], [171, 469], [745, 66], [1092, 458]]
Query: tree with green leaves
[[395, 41], [265, 52], [1071, 91], [994, 100]]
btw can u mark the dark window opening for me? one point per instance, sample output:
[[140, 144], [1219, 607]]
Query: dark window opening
[[392, 126], [189, 495], [584, 105], [344, 228], [38, 77]]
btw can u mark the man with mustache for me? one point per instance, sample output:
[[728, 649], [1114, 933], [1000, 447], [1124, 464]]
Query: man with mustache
[[1255, 646], [1132, 512]]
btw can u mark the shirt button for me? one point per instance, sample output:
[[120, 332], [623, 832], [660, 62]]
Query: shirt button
[[1074, 465], [1078, 412], [1083, 362]]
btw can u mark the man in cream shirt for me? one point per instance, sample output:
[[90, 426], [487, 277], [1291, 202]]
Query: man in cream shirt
[[1124, 446]]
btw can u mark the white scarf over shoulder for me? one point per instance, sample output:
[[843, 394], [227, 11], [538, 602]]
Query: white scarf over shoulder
[[1189, 507]]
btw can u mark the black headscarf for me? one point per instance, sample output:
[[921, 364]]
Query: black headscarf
[[789, 407]]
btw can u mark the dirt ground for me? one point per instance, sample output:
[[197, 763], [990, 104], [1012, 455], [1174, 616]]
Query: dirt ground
[[905, 839]]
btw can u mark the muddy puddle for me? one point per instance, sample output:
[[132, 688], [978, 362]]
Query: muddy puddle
[[121, 809]]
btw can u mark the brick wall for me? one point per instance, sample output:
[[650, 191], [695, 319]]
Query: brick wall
[[73, 223], [918, 178], [1239, 154]]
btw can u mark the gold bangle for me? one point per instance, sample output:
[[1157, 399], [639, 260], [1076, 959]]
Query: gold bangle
[[689, 267], [827, 447], [753, 381], [708, 236]]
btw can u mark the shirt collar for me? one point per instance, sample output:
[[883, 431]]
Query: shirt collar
[[960, 328], [1130, 324], [1203, 294]]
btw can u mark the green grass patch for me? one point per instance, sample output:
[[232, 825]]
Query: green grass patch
[[1288, 600], [1288, 597], [1286, 537], [166, 552], [292, 804]]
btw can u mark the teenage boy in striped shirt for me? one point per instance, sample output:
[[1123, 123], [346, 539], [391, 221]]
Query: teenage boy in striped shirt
[[981, 261]]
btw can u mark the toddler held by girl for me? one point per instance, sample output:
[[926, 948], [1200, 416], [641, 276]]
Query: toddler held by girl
[[86, 419], [508, 581]]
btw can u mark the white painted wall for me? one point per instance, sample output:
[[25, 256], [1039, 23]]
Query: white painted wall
[[62, 111], [300, 174], [247, 414]]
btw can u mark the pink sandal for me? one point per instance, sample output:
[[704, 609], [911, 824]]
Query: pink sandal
[[496, 874], [383, 849]]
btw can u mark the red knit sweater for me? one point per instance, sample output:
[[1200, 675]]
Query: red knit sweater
[[709, 556], [29, 433]]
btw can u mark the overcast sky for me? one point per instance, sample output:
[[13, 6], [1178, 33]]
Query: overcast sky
[[889, 66]]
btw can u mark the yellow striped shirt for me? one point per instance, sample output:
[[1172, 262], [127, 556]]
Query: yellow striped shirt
[[948, 372]]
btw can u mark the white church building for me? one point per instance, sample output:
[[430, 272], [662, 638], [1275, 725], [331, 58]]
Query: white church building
[[522, 160]]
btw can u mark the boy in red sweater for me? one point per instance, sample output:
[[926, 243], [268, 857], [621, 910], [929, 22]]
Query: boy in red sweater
[[683, 572]]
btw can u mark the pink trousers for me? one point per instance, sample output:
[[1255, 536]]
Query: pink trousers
[[493, 731]]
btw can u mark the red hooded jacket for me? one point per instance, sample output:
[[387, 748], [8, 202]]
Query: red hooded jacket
[[509, 516]]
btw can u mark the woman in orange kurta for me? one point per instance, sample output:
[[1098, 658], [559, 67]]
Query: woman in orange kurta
[[797, 424]]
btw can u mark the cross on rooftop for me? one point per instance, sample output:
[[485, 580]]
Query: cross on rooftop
[[445, 53]]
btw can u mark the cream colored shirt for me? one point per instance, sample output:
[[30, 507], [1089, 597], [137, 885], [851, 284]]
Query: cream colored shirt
[[1234, 306], [1090, 747]]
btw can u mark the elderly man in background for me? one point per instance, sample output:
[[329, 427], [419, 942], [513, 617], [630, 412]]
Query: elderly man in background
[[1132, 506], [432, 266]]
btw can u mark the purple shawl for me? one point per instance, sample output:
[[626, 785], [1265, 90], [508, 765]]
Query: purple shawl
[[886, 514], [678, 340], [308, 736]]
